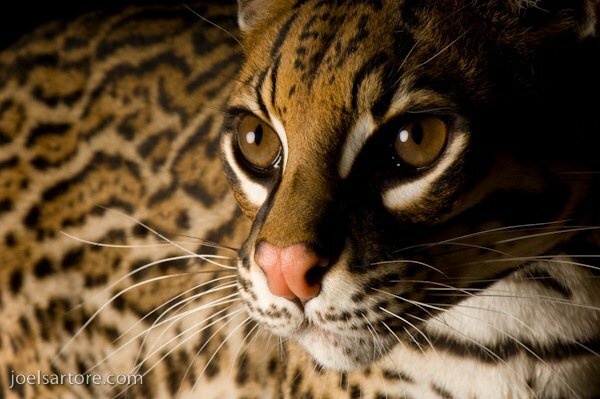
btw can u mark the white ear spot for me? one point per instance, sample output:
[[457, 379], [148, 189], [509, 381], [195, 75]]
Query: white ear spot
[[407, 195], [254, 192], [250, 12]]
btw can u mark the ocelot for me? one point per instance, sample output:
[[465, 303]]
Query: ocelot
[[303, 199]]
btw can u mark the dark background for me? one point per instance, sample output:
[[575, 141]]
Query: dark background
[[20, 16]]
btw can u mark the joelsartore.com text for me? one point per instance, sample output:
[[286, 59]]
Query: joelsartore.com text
[[41, 378]]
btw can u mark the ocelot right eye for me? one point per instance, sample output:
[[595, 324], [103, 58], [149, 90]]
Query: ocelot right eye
[[259, 144]]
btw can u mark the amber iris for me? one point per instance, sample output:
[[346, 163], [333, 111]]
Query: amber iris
[[258, 143], [420, 143]]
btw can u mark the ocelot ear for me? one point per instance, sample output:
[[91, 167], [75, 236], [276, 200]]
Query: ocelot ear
[[583, 14], [252, 12]]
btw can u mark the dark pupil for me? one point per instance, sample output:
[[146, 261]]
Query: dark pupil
[[417, 134], [258, 135]]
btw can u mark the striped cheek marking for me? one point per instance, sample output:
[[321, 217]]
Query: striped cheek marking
[[254, 192], [408, 194], [356, 139]]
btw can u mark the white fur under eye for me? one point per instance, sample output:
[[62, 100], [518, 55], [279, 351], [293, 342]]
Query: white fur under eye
[[254, 192], [405, 195]]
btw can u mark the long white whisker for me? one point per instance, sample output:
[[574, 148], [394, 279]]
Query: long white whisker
[[167, 302], [229, 315], [150, 229], [243, 323], [135, 338], [410, 261], [547, 233], [105, 305], [483, 232], [215, 25], [178, 316], [410, 324]]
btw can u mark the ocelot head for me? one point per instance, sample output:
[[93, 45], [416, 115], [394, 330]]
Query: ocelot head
[[386, 149]]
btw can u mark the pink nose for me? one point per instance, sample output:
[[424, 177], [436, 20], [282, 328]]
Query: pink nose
[[292, 272]]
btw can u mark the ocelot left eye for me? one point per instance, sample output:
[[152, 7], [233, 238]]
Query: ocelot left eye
[[258, 143], [420, 143]]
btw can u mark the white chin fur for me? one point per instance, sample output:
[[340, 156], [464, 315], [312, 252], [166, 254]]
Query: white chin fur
[[337, 352]]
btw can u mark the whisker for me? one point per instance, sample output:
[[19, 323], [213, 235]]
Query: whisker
[[150, 229], [228, 315], [483, 232], [445, 48], [248, 335], [209, 243], [136, 369], [107, 303], [135, 338], [546, 258], [530, 236], [228, 33], [243, 323], [144, 267], [542, 298], [179, 316], [410, 324], [412, 262], [167, 302]]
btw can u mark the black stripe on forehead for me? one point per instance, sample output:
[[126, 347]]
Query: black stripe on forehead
[[274, 74], [258, 91], [283, 33], [391, 64]]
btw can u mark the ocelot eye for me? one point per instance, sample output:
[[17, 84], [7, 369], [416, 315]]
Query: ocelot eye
[[420, 143], [258, 143]]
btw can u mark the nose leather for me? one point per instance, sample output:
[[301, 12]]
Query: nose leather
[[287, 270]]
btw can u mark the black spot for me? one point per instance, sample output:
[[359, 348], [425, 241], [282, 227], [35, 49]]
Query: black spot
[[72, 258], [119, 303], [242, 370], [140, 231], [183, 220], [296, 383], [441, 391], [139, 274], [24, 323], [344, 381], [6, 205], [355, 392], [94, 281], [9, 163], [212, 369], [33, 217], [10, 240], [125, 129], [43, 268], [272, 367], [46, 129], [397, 375], [16, 281]]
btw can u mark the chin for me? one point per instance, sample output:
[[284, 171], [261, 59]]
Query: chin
[[341, 353]]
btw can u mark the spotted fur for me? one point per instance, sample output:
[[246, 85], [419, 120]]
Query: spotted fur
[[112, 127]]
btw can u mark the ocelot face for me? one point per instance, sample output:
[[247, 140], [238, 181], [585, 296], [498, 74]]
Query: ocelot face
[[385, 150]]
